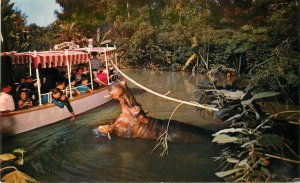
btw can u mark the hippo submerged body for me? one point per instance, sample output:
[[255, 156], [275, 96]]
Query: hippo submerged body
[[133, 122]]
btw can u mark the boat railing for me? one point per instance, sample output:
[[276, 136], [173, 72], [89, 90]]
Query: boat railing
[[48, 98]]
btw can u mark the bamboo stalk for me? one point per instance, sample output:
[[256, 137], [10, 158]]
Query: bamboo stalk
[[281, 158]]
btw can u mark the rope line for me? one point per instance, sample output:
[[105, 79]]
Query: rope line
[[164, 96]]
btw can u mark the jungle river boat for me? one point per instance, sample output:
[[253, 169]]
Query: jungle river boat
[[43, 114]]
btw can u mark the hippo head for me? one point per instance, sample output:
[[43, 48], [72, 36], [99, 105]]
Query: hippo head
[[104, 129], [120, 91], [132, 113], [116, 90]]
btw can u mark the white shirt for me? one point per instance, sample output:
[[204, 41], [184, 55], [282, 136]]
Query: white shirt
[[6, 102]]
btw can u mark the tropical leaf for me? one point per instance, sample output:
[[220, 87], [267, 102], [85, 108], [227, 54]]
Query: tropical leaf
[[232, 160], [232, 95], [223, 139], [265, 94], [230, 130], [19, 150], [247, 102], [243, 162], [192, 57], [234, 117], [17, 176], [228, 172], [7, 157], [271, 140]]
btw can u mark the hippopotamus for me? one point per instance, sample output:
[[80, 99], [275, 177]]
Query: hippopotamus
[[133, 121]]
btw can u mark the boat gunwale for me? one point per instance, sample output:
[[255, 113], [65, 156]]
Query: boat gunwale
[[48, 105]]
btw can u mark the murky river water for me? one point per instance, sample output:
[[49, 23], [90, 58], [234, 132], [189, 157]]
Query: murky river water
[[70, 152]]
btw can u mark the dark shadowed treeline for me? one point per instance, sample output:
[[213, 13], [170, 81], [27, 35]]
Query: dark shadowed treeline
[[257, 38]]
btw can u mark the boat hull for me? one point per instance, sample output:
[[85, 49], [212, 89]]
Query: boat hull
[[25, 120]]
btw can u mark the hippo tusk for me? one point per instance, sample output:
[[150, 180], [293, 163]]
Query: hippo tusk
[[108, 135], [106, 96]]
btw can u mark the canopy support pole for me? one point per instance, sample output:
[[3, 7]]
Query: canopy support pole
[[91, 74], [115, 53], [30, 71], [106, 62], [69, 75], [38, 82]]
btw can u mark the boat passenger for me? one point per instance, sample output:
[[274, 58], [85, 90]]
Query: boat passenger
[[79, 75], [22, 85], [83, 87], [73, 75], [95, 62], [61, 100], [113, 74], [32, 92], [64, 77], [102, 76], [45, 90], [24, 101], [85, 70], [6, 100], [95, 79], [61, 85]]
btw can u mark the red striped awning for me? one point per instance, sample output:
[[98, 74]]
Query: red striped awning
[[51, 58], [58, 58]]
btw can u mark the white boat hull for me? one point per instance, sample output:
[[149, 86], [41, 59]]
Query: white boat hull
[[25, 120]]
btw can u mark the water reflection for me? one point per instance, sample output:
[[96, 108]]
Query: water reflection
[[70, 152]]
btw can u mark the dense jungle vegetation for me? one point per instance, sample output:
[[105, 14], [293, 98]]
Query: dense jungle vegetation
[[258, 38]]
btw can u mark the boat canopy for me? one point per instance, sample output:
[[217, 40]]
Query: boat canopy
[[61, 58], [57, 58]]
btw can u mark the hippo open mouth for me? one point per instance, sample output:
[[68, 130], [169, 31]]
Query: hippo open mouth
[[133, 121]]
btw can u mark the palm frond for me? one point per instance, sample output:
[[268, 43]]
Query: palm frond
[[192, 57]]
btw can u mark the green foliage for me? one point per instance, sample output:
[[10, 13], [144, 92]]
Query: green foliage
[[13, 30], [253, 37], [248, 139], [15, 175]]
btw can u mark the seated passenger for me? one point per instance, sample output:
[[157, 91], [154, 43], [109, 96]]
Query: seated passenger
[[86, 70], [64, 77], [102, 78], [61, 85], [61, 100], [95, 79], [22, 85], [6, 100], [32, 90], [83, 88], [73, 75], [79, 76], [112, 74], [24, 101]]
